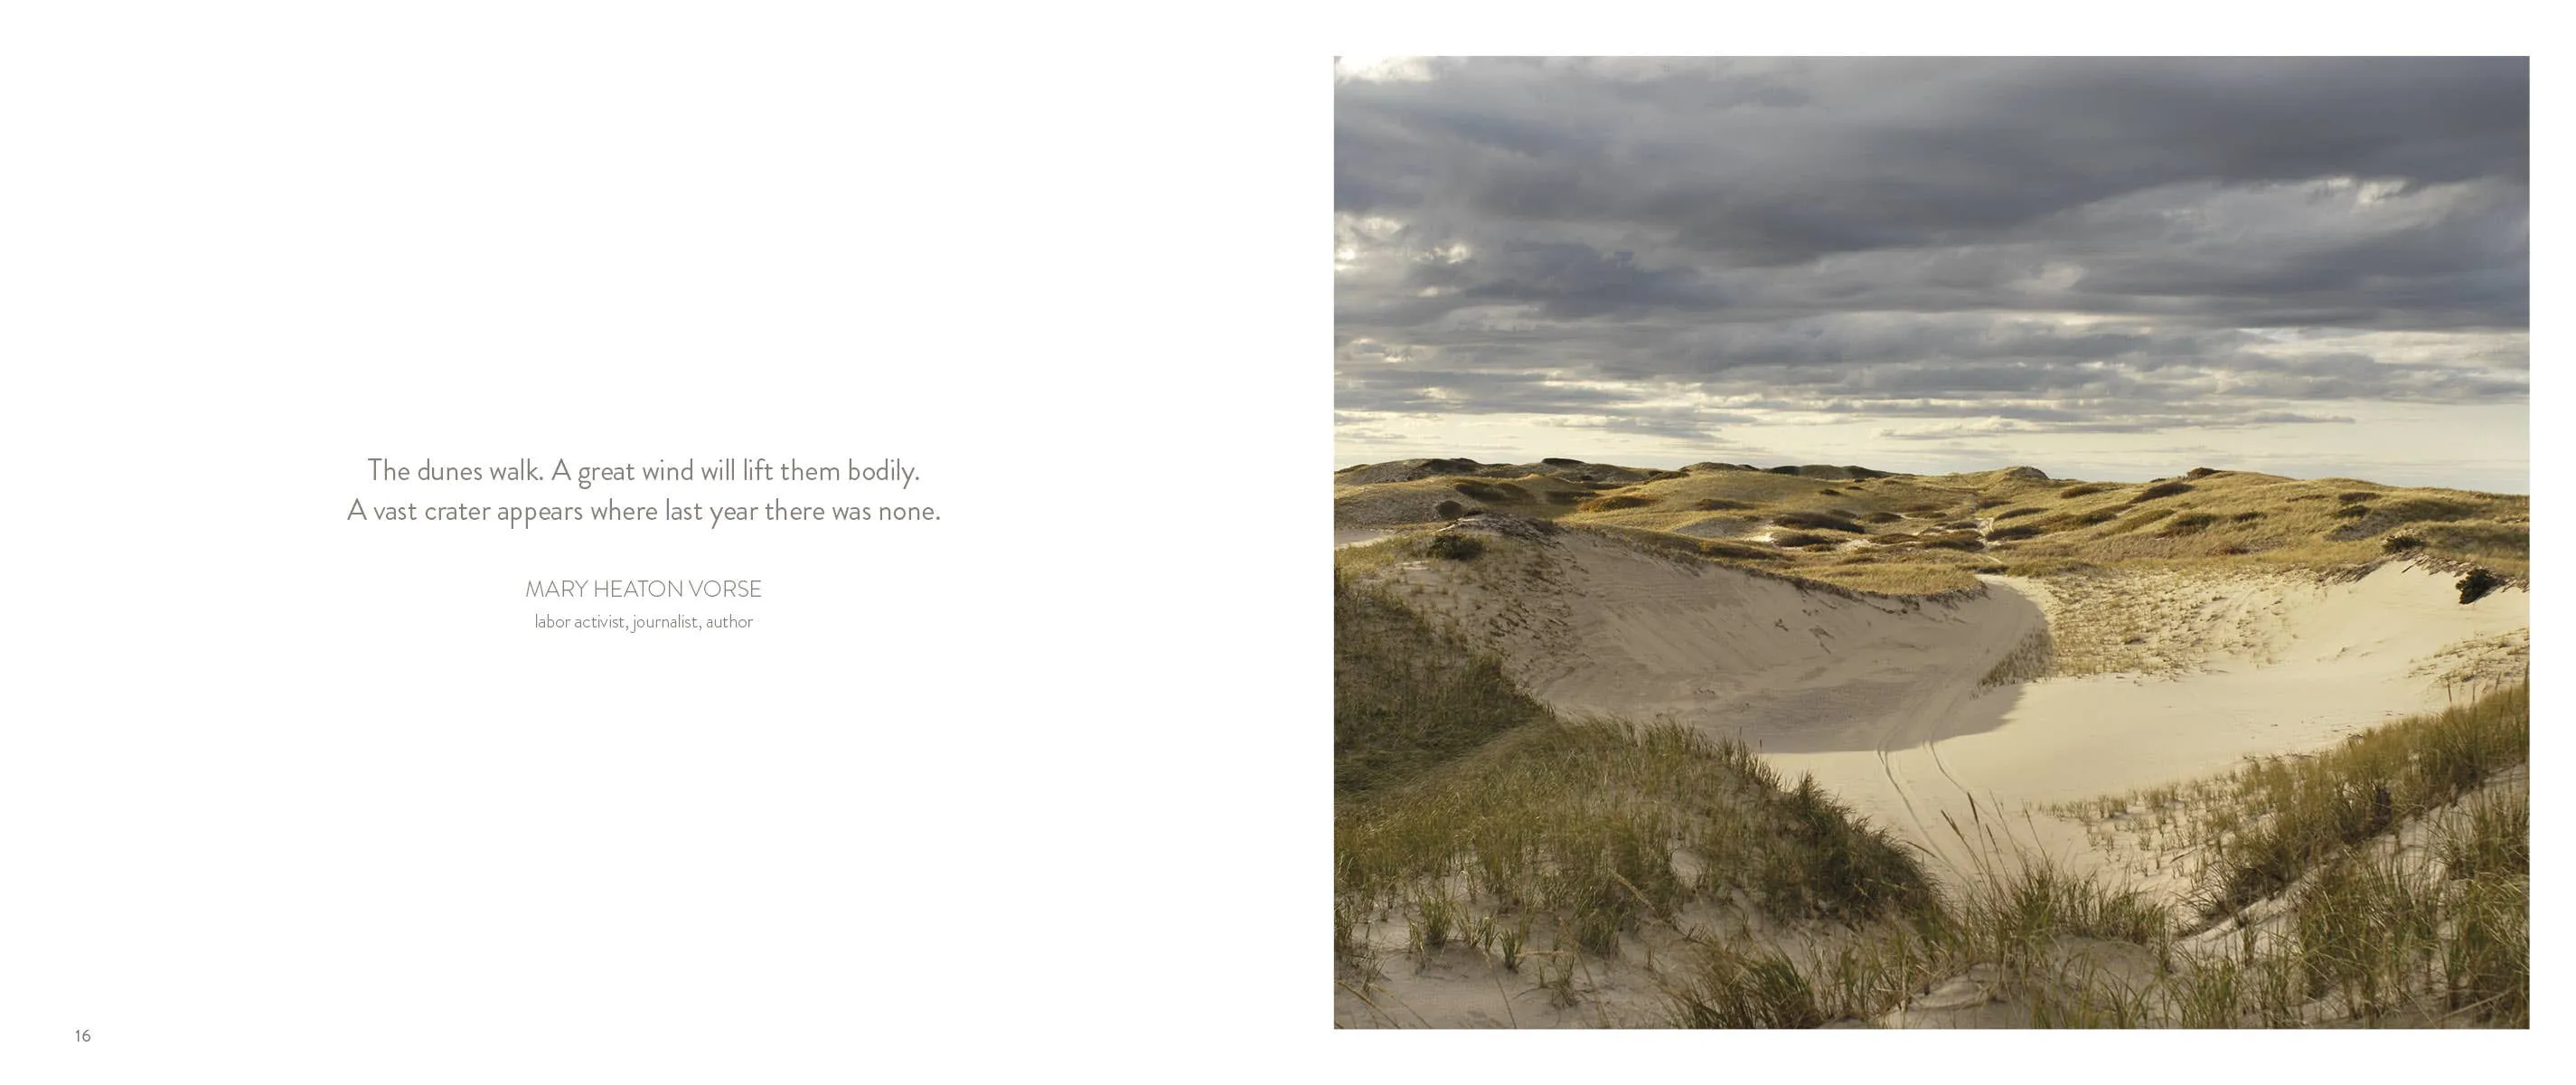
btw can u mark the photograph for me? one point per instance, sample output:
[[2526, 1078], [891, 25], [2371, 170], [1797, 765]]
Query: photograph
[[1893, 543]]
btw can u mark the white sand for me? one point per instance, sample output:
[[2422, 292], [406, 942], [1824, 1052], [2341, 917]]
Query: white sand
[[1599, 627], [2346, 655]]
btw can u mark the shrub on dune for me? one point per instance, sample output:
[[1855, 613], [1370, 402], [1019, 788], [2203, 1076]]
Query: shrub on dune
[[1615, 502]]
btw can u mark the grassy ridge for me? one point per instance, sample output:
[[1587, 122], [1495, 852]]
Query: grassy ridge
[[2349, 794], [1574, 833], [1408, 695], [2264, 826], [2034, 933], [2414, 911], [1471, 813], [2363, 926]]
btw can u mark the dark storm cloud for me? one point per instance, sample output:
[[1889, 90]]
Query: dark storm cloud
[[2085, 238]]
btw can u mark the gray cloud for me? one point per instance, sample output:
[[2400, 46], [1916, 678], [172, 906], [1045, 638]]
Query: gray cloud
[[2072, 246]]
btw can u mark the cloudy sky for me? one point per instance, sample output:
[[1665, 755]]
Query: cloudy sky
[[2102, 268]]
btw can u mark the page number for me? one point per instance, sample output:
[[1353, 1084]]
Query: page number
[[81, 1036]]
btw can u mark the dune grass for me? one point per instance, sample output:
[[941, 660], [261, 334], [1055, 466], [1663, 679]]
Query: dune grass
[[2311, 808], [1558, 841], [1904, 578], [2256, 831], [2396, 867], [1406, 694], [1939, 531], [1578, 832], [2035, 936], [1467, 813], [2387, 935], [2412, 911]]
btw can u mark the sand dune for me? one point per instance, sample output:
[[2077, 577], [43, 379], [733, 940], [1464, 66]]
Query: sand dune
[[1886, 701], [1597, 626]]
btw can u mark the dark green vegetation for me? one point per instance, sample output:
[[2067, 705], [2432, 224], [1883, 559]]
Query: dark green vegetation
[[1614, 503], [1471, 813], [1500, 493], [2476, 585], [1583, 830], [1407, 696], [1455, 547], [1830, 520]]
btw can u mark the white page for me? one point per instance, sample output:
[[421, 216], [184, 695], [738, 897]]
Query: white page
[[296, 796]]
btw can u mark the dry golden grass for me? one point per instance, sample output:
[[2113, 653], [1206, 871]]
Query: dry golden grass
[[1417, 503], [2242, 518], [1926, 534], [1901, 578], [2395, 871]]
